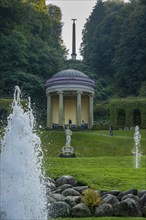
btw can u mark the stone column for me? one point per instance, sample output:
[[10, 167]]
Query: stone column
[[49, 116], [91, 110], [79, 108], [61, 120]]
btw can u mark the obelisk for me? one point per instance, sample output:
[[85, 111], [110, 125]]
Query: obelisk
[[73, 55]]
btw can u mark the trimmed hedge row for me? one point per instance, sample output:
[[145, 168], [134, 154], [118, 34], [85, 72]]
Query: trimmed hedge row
[[120, 113], [128, 112]]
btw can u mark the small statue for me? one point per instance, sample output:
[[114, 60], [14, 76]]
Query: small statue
[[68, 150], [68, 133]]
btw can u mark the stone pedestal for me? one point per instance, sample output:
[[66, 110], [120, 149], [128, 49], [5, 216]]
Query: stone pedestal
[[67, 152]]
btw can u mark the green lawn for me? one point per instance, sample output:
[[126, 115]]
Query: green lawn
[[103, 162], [102, 173]]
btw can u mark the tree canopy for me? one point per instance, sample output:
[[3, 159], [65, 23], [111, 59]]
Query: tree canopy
[[30, 41], [113, 48], [31, 46], [114, 45]]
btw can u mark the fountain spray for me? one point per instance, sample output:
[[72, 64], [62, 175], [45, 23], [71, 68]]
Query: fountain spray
[[22, 188], [136, 151]]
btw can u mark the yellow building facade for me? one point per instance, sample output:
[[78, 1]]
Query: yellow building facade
[[70, 96]]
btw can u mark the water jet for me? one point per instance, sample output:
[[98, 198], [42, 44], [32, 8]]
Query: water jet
[[22, 190], [136, 151]]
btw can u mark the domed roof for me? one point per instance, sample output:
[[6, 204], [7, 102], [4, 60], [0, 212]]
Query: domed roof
[[70, 79], [70, 73]]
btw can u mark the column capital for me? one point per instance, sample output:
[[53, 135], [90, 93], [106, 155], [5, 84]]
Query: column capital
[[60, 92], [91, 95], [79, 92], [49, 94]]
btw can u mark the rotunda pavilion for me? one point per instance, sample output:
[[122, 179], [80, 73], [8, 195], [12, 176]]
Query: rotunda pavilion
[[70, 96]]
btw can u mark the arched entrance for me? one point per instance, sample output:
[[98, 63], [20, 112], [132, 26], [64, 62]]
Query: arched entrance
[[121, 117], [136, 117]]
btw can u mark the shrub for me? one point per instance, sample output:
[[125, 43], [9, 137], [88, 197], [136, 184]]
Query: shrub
[[91, 198]]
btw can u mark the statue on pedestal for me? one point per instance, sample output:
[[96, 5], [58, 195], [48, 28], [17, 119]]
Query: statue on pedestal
[[67, 150]]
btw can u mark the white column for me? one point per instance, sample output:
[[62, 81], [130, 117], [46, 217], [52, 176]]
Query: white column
[[91, 96], [79, 108], [49, 115], [61, 120]]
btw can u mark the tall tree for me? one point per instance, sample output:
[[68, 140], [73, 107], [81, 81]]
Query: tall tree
[[28, 45], [92, 22], [56, 17], [130, 57], [114, 45], [100, 38]]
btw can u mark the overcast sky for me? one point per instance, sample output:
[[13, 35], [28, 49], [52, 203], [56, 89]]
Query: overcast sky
[[79, 9]]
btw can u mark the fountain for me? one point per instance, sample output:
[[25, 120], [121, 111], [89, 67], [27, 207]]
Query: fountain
[[22, 188], [136, 151]]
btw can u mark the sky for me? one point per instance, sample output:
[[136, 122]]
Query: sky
[[76, 9]]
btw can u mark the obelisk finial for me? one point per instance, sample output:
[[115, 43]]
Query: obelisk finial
[[73, 55]]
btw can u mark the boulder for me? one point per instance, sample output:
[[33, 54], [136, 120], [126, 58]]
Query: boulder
[[73, 200], [66, 180], [59, 209], [80, 189], [50, 186], [143, 200], [81, 210], [70, 192], [111, 199], [50, 200], [104, 210], [61, 188], [141, 193], [58, 197], [114, 192], [128, 207], [131, 191], [144, 211], [136, 198]]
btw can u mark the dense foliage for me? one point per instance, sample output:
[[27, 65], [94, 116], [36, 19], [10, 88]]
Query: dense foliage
[[31, 47], [114, 46], [113, 49]]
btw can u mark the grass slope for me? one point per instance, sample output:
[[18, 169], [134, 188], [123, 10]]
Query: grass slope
[[102, 162], [92, 143], [99, 173]]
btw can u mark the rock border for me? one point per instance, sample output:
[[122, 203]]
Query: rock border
[[64, 197]]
